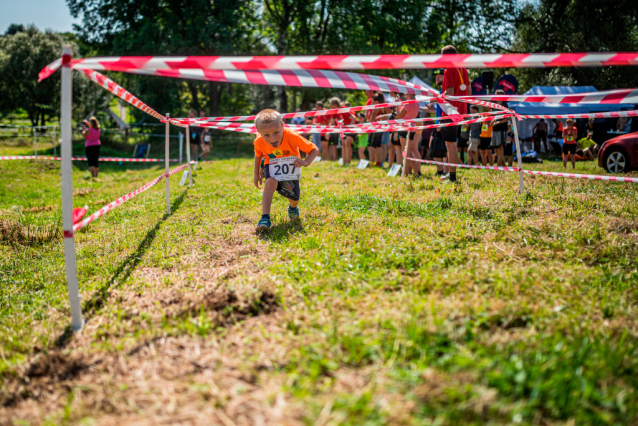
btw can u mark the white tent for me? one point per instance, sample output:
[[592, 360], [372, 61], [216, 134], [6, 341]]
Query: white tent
[[416, 80]]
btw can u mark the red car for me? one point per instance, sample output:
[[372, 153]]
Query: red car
[[619, 154]]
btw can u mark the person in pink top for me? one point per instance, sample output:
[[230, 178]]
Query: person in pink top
[[92, 146]]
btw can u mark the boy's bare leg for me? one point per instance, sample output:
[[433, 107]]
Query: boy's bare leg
[[270, 186], [573, 158], [293, 203], [325, 151]]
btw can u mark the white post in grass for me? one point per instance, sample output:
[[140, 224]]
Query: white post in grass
[[55, 134], [35, 141], [181, 146], [168, 186], [518, 155], [188, 156], [67, 190]]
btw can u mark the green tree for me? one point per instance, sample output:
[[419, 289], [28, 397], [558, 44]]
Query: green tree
[[578, 26], [23, 55], [174, 27]]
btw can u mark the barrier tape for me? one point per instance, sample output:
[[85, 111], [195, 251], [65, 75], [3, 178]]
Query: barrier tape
[[110, 159], [467, 166], [619, 96], [579, 176], [107, 208], [329, 112], [124, 94], [250, 127], [349, 62], [534, 172], [610, 114]]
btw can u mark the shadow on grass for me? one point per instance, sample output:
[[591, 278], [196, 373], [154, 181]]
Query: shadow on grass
[[92, 306], [282, 231]]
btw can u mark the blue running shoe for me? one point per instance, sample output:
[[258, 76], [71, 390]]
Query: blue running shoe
[[263, 225], [293, 213]]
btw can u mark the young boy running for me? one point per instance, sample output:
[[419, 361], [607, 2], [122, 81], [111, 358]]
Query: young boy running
[[279, 147]]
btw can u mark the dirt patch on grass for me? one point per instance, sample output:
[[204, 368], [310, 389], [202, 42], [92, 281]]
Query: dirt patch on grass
[[183, 380], [186, 379], [13, 232]]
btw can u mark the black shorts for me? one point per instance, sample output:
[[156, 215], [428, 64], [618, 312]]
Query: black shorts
[[394, 139], [350, 135], [450, 134], [437, 153], [484, 143], [507, 149], [569, 148], [93, 155], [334, 139], [462, 143], [376, 140], [288, 188], [403, 134]]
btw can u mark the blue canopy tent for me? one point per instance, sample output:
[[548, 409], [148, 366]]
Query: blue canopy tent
[[544, 108]]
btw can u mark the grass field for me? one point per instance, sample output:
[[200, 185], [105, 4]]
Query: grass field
[[393, 301]]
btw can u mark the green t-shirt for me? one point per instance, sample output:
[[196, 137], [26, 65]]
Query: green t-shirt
[[586, 143]]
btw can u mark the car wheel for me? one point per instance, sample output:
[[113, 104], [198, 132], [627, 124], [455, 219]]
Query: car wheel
[[616, 161]]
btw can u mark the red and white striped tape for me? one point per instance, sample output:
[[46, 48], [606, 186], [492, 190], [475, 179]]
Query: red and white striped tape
[[124, 94], [349, 62], [110, 159], [303, 114], [107, 208], [610, 114], [295, 78], [579, 176], [357, 128], [620, 96], [535, 172], [467, 166]]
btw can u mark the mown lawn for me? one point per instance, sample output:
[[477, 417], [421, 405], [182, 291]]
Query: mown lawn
[[393, 301]]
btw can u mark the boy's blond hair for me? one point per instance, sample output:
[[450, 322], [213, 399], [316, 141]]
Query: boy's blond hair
[[268, 116]]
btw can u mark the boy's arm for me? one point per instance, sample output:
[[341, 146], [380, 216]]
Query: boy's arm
[[309, 159], [256, 174]]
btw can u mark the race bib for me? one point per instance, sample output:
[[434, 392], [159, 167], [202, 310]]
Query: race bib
[[484, 128], [570, 139], [207, 138], [283, 168], [464, 128]]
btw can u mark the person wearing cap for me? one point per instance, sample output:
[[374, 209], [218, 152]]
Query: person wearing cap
[[570, 136], [455, 83]]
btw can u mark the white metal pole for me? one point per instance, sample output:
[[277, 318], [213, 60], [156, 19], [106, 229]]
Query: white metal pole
[[35, 141], [188, 156], [67, 191], [55, 134], [168, 187], [181, 146], [518, 155]]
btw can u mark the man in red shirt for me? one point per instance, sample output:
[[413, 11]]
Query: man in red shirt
[[455, 83]]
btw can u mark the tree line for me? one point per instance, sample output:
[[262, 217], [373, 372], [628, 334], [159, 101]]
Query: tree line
[[297, 27]]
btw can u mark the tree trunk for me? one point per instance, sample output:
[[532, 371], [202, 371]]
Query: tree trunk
[[195, 101], [215, 92]]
